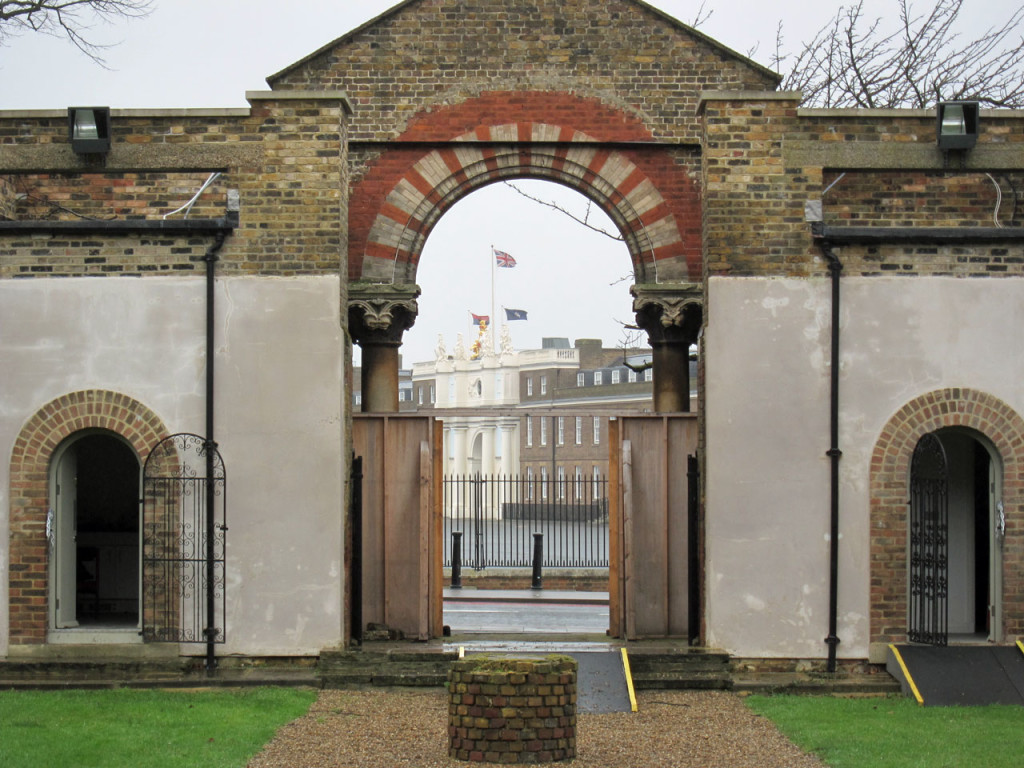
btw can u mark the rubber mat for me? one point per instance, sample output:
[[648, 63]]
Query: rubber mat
[[960, 675]]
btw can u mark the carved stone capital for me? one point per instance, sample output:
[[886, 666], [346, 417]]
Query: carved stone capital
[[669, 312], [380, 314]]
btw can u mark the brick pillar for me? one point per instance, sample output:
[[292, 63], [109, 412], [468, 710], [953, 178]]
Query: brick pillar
[[378, 315], [672, 315]]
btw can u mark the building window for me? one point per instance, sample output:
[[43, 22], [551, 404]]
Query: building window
[[595, 484], [648, 374], [543, 481], [580, 379], [543, 385], [578, 484], [561, 430], [433, 394], [579, 430], [597, 430], [561, 482], [419, 395], [529, 386], [597, 378], [359, 398], [543, 431], [616, 376], [529, 430], [529, 483], [632, 376]]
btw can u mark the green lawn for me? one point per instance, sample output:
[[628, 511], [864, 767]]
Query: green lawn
[[142, 728], [897, 733]]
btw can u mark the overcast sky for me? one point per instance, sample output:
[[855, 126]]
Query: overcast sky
[[208, 53]]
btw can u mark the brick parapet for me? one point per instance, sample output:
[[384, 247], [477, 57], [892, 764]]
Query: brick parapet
[[429, 54], [512, 709], [285, 156]]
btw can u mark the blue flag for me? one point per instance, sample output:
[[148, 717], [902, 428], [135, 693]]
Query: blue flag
[[515, 314]]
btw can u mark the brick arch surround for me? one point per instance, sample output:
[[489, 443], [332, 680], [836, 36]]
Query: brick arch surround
[[889, 483], [605, 154], [30, 469]]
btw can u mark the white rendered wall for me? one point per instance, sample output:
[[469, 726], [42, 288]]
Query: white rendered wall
[[279, 369], [767, 476]]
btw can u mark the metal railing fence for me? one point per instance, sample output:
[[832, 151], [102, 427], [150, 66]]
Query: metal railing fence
[[497, 516]]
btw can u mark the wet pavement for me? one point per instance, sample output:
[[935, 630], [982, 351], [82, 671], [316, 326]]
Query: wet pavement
[[543, 612]]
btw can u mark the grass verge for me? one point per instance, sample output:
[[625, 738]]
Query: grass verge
[[896, 732], [143, 728]]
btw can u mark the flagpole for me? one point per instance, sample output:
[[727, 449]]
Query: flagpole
[[494, 317]]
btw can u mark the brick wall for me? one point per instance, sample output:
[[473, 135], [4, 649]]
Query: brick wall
[[285, 156], [437, 52]]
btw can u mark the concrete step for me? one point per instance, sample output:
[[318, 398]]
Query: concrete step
[[346, 668]]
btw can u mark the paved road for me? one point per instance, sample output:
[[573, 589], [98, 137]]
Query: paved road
[[526, 612]]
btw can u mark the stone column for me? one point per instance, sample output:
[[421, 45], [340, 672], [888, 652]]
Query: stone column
[[671, 314], [378, 315]]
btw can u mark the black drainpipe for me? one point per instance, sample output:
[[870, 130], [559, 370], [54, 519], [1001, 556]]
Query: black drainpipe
[[210, 447], [835, 269]]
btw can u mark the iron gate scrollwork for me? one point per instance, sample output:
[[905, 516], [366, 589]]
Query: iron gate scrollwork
[[929, 543], [183, 542]]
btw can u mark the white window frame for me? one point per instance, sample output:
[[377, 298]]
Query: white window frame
[[543, 430], [543, 481], [579, 430], [648, 374], [578, 484], [529, 431], [598, 378], [529, 483], [616, 376], [581, 380], [561, 430], [597, 430], [543, 384], [529, 386], [561, 483], [632, 376]]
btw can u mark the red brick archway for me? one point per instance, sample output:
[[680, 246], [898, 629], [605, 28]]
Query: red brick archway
[[30, 466], [890, 467], [645, 187]]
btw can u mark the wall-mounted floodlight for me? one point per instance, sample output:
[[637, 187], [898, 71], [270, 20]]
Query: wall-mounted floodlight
[[89, 129], [957, 124]]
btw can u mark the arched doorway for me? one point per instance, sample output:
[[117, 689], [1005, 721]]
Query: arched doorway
[[981, 436], [94, 533], [956, 530]]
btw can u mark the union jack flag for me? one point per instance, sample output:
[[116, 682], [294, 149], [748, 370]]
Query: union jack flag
[[503, 259]]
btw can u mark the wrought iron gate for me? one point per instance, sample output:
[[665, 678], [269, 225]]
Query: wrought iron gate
[[929, 543], [183, 542]]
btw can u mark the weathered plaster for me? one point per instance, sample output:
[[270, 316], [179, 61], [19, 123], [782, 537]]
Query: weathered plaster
[[278, 422], [768, 430]]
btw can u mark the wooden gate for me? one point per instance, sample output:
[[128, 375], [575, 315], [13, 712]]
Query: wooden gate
[[653, 537], [402, 580]]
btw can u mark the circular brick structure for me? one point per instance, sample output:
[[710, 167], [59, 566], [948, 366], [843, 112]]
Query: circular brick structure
[[512, 709]]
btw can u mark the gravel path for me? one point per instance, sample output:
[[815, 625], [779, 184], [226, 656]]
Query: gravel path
[[392, 729]]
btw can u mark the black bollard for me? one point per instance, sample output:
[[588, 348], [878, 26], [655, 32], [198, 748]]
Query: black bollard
[[456, 560], [538, 560]]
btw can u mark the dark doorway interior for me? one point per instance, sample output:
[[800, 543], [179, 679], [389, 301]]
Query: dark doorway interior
[[107, 545]]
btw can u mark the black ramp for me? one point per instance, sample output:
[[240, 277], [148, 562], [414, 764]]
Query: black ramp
[[601, 682], [966, 675]]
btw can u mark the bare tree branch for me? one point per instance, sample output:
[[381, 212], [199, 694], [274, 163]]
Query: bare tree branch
[[72, 19], [856, 62], [584, 220]]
